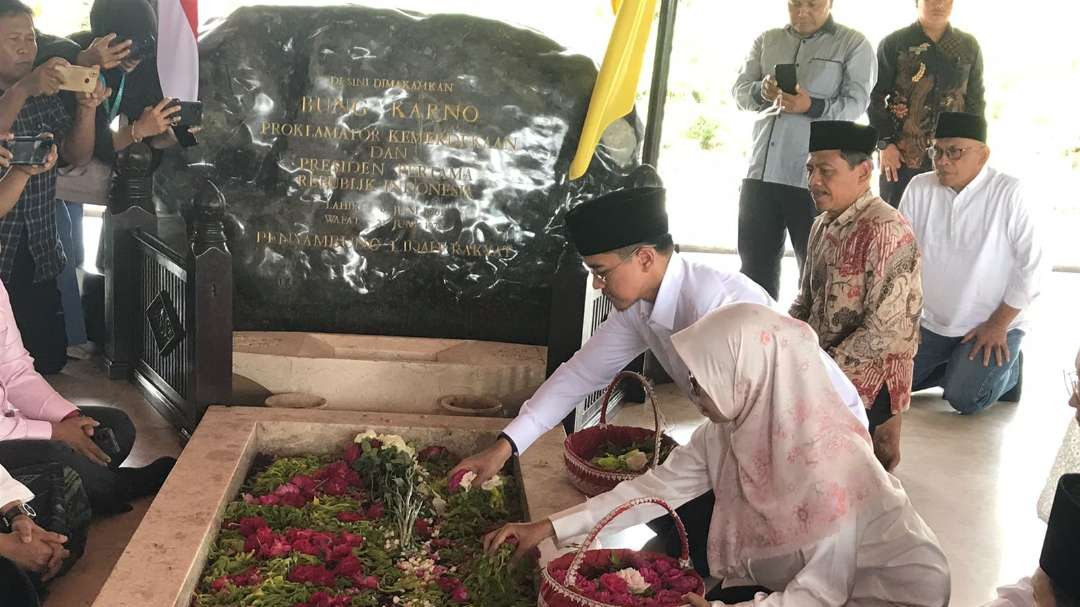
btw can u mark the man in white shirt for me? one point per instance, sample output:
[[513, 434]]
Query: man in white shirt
[[1056, 582], [624, 240], [982, 265]]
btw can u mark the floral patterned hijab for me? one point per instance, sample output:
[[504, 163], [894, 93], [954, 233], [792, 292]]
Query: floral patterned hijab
[[800, 464]]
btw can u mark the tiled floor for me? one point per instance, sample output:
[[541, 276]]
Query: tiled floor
[[974, 479]]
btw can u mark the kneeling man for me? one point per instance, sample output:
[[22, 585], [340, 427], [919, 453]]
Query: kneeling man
[[983, 263], [624, 242], [860, 288]]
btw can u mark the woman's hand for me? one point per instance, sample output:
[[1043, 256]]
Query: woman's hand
[[527, 535], [696, 601], [156, 119]]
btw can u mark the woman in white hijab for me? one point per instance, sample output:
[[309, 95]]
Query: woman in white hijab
[[802, 507]]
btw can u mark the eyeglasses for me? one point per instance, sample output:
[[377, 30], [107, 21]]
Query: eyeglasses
[[953, 153], [695, 390], [603, 276]]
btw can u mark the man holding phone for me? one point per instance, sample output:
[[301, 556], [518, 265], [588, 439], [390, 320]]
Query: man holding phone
[[31, 255], [829, 70]]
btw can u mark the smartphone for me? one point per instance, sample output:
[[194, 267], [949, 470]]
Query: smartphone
[[785, 77], [190, 113], [79, 79], [144, 47], [30, 150], [105, 439]]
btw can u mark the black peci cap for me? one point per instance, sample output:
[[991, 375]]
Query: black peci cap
[[618, 219], [842, 135], [958, 124]]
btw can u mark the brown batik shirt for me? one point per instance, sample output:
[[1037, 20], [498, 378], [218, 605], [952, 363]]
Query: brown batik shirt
[[861, 291], [917, 80]]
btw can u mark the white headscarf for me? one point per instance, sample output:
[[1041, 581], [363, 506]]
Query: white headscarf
[[800, 464]]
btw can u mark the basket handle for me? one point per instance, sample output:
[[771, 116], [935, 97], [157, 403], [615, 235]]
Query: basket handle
[[645, 383], [684, 557]]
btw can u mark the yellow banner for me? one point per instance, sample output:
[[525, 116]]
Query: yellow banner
[[616, 84]]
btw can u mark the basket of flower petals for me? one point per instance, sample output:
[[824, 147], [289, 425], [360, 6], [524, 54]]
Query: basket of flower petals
[[600, 457], [620, 577]]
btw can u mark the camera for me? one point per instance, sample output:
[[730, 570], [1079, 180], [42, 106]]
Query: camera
[[30, 150]]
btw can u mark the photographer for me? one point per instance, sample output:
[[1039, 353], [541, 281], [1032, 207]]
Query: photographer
[[31, 255], [135, 112], [38, 426]]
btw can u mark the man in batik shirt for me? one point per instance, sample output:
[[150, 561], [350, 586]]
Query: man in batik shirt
[[861, 288], [924, 69]]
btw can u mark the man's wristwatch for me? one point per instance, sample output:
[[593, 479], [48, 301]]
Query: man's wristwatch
[[884, 143], [15, 512]]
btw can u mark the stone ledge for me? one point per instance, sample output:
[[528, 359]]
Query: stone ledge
[[164, 558], [392, 374]]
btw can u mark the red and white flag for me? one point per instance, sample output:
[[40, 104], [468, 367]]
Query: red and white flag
[[178, 48]]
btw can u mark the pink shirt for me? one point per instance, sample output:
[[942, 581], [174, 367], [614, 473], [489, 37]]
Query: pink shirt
[[28, 404]]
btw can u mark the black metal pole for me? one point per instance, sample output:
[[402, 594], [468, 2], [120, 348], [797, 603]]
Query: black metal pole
[[665, 35]]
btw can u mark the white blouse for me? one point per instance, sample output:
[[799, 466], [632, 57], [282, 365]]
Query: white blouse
[[12, 490], [883, 560]]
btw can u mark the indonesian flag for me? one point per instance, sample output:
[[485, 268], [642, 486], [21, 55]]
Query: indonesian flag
[[178, 48]]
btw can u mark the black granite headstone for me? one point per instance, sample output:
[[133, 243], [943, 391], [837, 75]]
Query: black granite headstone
[[392, 173]]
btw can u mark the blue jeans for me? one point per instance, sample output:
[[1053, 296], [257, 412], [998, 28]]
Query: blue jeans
[[69, 219], [969, 386]]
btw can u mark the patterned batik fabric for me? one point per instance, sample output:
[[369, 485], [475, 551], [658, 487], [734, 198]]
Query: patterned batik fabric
[[861, 291], [917, 80], [61, 504]]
